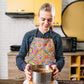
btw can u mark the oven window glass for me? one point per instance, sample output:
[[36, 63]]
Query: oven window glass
[[67, 44]]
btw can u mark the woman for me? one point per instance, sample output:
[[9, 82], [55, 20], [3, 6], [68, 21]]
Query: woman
[[43, 45]]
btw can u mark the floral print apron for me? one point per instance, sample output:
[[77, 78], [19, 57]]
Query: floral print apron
[[42, 51]]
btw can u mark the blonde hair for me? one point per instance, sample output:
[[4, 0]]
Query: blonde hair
[[48, 7]]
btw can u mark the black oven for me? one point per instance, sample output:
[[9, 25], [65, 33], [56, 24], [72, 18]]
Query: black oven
[[69, 44]]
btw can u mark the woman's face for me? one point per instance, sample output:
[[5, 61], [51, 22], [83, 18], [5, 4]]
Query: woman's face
[[45, 19]]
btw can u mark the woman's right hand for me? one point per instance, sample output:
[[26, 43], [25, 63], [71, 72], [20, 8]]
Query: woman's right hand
[[28, 72]]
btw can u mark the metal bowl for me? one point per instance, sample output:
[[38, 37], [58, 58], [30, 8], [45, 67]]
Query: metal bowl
[[41, 74]]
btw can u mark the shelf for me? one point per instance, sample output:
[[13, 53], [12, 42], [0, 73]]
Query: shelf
[[74, 61], [82, 65], [81, 76], [74, 65], [20, 15], [82, 60], [74, 76]]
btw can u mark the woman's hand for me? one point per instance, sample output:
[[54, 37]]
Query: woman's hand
[[28, 72], [55, 73]]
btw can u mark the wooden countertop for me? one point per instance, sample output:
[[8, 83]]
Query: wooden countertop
[[15, 53], [11, 81], [73, 53], [20, 81]]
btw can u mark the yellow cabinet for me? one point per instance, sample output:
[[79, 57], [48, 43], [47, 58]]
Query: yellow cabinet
[[32, 6], [24, 6], [58, 10], [76, 67]]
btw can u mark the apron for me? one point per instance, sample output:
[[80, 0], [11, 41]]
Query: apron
[[42, 51]]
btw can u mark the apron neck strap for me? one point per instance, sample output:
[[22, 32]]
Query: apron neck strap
[[49, 32], [36, 32]]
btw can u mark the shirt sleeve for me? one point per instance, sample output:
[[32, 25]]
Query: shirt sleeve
[[59, 54], [20, 59]]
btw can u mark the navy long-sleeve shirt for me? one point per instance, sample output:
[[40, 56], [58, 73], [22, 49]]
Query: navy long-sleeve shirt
[[29, 36]]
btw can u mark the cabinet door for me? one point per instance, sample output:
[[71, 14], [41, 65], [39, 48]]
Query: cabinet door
[[56, 3], [24, 6]]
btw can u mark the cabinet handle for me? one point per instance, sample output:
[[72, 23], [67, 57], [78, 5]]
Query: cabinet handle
[[19, 10]]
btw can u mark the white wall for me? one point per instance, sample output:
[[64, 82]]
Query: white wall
[[12, 31]]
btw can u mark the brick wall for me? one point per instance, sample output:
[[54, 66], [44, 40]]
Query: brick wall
[[12, 31]]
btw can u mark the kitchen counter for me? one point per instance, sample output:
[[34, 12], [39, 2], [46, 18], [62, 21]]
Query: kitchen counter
[[11, 81], [14, 73], [64, 53], [20, 81], [73, 53]]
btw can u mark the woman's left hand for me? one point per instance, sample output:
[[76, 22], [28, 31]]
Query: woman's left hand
[[55, 73]]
